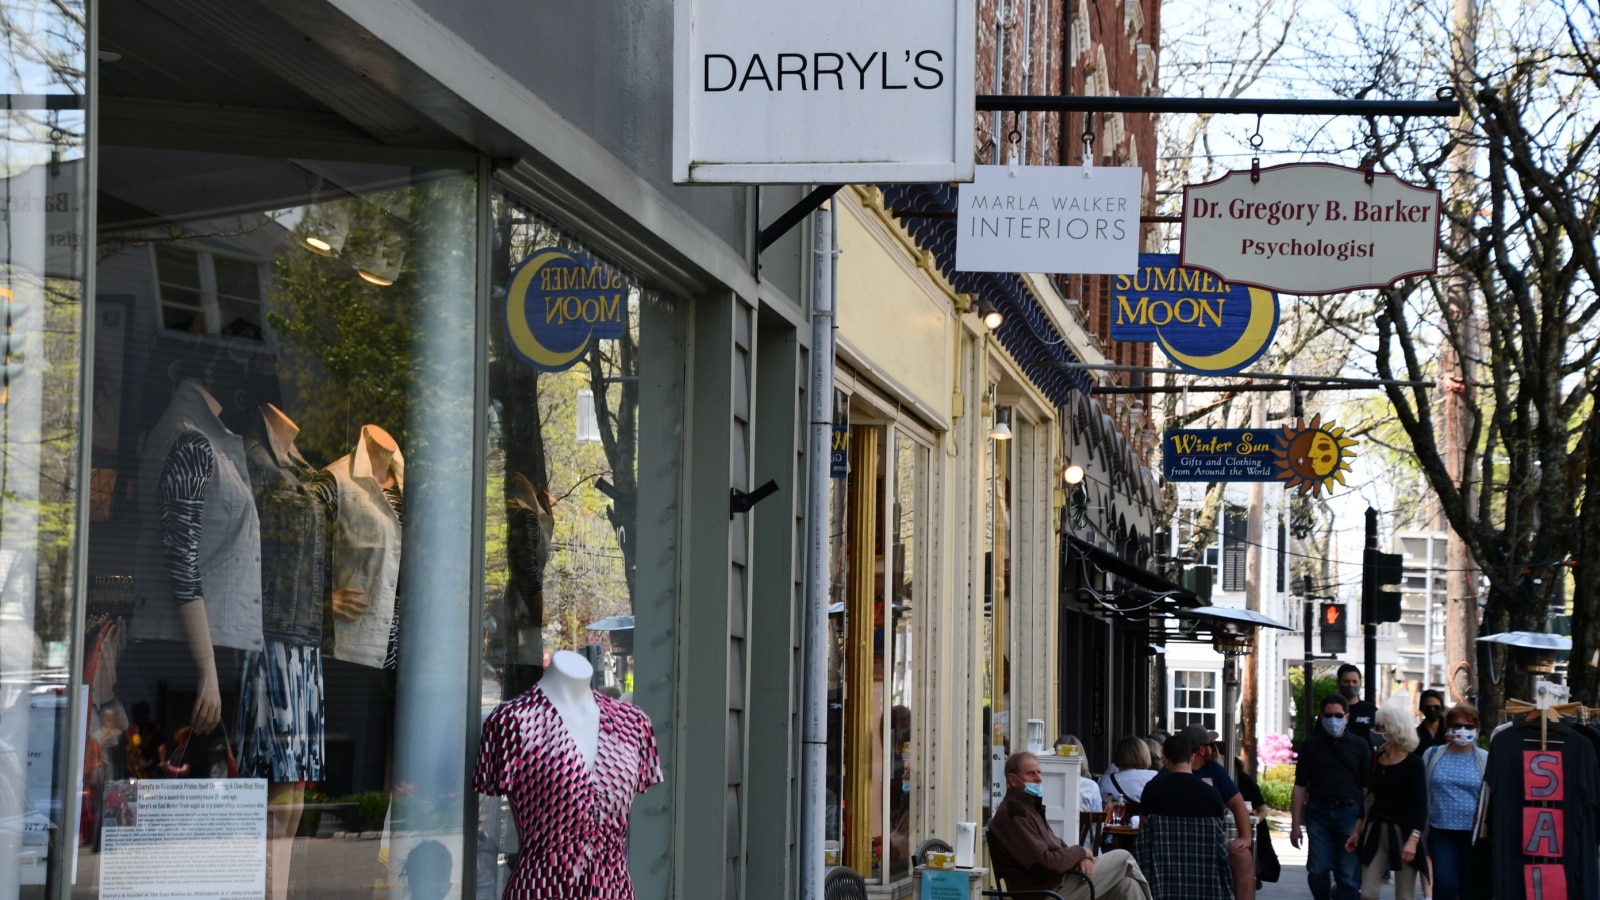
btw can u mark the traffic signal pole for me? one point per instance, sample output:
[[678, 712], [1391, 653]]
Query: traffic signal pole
[[1306, 688], [1369, 614]]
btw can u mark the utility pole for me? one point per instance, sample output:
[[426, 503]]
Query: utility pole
[[1250, 690], [1457, 378]]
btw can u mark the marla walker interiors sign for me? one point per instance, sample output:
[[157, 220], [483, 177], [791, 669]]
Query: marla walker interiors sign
[[827, 91], [1049, 219], [1203, 324], [1311, 228]]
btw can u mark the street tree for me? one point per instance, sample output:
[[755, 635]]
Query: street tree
[[1516, 311]]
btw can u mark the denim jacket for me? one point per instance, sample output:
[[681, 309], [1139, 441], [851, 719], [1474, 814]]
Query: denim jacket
[[293, 509]]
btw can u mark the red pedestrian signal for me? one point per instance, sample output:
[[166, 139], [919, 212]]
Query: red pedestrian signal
[[1332, 630]]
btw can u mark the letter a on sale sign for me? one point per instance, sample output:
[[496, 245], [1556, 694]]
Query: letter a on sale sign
[[1543, 830]]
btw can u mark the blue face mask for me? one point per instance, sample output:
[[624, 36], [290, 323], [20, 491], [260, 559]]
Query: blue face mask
[[1033, 789]]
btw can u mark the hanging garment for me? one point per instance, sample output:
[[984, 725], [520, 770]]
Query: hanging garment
[[220, 554], [572, 820], [294, 503], [1542, 813], [366, 554]]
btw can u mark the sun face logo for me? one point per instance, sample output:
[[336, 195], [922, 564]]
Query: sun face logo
[[1312, 457]]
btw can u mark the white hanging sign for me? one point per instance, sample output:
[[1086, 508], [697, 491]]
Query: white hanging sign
[[1050, 219], [827, 91], [1311, 228]]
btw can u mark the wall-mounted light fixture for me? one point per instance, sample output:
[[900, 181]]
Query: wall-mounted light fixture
[[991, 317], [1001, 430]]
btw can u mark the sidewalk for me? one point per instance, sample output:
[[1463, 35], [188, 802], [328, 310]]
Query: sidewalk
[[1291, 885]]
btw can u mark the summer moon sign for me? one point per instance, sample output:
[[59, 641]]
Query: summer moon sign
[[1311, 228], [1203, 324], [558, 302]]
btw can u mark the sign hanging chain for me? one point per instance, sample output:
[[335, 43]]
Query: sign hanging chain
[[1255, 144], [1015, 137], [1088, 143]]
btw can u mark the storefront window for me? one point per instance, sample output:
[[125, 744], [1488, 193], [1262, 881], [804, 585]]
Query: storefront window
[[874, 763], [279, 606], [997, 612], [43, 263], [585, 369]]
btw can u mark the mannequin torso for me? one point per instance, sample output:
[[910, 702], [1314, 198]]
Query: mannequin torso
[[566, 685]]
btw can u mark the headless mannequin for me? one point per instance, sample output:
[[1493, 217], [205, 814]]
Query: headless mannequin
[[348, 602], [280, 426], [381, 448], [285, 800], [207, 714], [566, 685]]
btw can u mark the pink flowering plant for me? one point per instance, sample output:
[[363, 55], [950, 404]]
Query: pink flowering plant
[[1275, 750]]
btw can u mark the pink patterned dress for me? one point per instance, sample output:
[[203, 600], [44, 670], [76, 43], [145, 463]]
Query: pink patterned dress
[[572, 821]]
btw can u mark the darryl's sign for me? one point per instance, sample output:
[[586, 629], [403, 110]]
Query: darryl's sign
[[1203, 324], [1218, 454]]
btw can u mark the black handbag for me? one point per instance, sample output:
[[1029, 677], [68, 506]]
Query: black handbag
[[1267, 867]]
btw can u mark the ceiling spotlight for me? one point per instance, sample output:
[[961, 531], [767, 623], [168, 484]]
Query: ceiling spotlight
[[990, 316], [1073, 474], [1002, 428]]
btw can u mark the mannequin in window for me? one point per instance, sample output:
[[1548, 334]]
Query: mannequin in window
[[366, 548], [198, 570], [281, 733], [570, 761]]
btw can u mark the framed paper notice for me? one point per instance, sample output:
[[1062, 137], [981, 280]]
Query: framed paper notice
[[200, 838]]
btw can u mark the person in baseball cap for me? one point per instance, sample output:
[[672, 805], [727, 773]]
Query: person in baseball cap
[[1213, 773]]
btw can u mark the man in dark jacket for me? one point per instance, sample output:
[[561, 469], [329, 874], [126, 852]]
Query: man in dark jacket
[[1029, 856], [1332, 771]]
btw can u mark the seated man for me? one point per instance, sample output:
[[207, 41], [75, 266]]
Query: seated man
[[1029, 856], [1181, 847]]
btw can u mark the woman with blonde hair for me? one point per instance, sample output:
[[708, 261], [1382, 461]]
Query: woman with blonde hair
[[1131, 771], [1388, 836]]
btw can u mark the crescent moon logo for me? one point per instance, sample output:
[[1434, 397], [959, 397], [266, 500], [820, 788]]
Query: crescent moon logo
[[580, 299], [1253, 341]]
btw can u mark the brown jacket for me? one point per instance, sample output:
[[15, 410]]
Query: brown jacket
[[1027, 854]]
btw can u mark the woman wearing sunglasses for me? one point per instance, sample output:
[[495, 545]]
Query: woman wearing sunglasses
[[1431, 733]]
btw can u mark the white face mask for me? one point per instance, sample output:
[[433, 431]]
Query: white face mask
[[1463, 737], [1334, 727]]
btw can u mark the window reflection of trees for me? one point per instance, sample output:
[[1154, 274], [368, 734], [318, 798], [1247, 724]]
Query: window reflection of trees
[[561, 553]]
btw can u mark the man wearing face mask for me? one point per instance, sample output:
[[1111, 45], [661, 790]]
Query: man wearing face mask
[[1362, 712], [1030, 857], [1332, 772], [1431, 733]]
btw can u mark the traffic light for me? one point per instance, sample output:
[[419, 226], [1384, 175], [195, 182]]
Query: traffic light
[[1379, 572], [1331, 628], [10, 342]]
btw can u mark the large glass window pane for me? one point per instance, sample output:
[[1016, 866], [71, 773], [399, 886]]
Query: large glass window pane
[[906, 518], [43, 259], [279, 610], [585, 388]]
